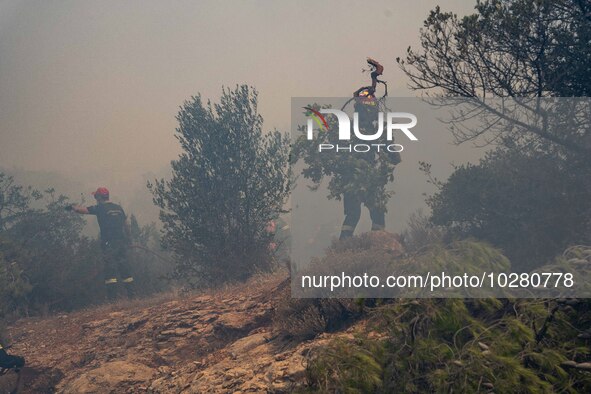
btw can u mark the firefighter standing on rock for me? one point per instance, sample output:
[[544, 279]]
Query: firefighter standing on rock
[[367, 107], [357, 177]]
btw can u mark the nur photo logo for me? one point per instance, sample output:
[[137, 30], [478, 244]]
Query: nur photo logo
[[394, 121]]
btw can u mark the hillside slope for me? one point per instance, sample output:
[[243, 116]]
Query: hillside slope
[[235, 340], [218, 342]]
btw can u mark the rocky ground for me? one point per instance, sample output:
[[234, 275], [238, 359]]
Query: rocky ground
[[218, 342], [224, 341]]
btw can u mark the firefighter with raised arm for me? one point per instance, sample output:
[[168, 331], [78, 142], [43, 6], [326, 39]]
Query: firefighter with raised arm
[[371, 164], [358, 176], [115, 238]]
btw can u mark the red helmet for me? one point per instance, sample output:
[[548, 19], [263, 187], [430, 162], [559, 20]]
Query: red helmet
[[101, 192]]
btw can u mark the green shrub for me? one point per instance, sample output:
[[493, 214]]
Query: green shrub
[[457, 345]]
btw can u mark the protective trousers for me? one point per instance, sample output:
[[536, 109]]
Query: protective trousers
[[352, 206], [117, 271]]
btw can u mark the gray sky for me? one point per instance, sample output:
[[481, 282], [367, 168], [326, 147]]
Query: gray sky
[[90, 89]]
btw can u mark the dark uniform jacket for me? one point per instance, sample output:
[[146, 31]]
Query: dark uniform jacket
[[111, 219]]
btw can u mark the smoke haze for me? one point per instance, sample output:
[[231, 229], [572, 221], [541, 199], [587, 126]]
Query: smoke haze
[[89, 90]]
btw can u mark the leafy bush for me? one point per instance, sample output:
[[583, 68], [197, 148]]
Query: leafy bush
[[455, 345], [57, 266], [531, 196], [445, 345], [46, 263], [228, 183], [14, 288], [530, 206], [151, 266]]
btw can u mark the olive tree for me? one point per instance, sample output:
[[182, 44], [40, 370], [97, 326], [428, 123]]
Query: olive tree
[[230, 180]]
